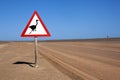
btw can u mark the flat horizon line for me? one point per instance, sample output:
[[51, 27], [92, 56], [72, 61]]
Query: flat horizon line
[[89, 39]]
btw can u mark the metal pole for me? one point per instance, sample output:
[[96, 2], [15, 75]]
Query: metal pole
[[36, 52]]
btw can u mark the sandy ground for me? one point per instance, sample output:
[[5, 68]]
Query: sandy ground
[[88, 60], [17, 61], [80, 60]]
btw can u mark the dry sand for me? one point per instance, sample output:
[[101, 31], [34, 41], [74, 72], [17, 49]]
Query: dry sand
[[89, 60], [69, 60], [17, 61]]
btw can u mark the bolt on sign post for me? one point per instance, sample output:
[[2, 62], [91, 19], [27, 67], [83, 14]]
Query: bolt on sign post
[[35, 28]]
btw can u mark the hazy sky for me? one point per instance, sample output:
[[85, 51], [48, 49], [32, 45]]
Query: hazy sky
[[65, 19]]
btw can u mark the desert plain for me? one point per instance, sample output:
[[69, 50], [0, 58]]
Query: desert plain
[[97, 59]]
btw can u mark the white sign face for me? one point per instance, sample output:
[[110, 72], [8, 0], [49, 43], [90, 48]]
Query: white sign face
[[35, 27]]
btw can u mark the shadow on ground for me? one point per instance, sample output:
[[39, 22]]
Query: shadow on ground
[[23, 62]]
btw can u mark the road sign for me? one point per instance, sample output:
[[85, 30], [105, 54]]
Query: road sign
[[35, 27]]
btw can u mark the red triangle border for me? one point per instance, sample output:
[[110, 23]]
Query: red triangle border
[[35, 35]]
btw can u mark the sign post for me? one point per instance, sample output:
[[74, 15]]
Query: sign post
[[36, 52], [35, 28]]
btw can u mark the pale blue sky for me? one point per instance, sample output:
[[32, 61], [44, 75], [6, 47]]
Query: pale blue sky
[[65, 19]]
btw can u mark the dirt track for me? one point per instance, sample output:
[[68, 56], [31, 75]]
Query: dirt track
[[80, 60], [87, 60]]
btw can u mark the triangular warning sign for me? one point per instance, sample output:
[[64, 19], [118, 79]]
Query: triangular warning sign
[[35, 27]]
